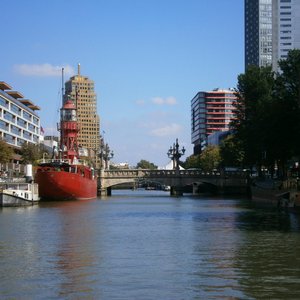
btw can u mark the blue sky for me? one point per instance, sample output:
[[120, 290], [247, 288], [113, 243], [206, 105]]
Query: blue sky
[[148, 59]]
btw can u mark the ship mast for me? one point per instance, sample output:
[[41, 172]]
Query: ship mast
[[62, 86]]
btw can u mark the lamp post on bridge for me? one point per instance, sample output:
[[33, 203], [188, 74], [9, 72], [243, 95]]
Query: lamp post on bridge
[[174, 153]]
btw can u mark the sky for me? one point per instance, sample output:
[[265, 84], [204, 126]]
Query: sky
[[148, 59]]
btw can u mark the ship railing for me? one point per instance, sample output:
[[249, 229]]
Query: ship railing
[[55, 160], [67, 161]]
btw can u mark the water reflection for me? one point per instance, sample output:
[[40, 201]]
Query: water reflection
[[268, 254], [75, 255], [147, 245]]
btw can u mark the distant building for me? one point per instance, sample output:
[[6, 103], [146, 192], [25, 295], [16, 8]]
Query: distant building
[[211, 112], [19, 122], [82, 91], [272, 28], [50, 142], [216, 138]]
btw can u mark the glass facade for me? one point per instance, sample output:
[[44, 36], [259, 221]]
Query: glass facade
[[258, 32], [271, 31]]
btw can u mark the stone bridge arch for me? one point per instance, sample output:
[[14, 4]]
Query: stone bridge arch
[[176, 179]]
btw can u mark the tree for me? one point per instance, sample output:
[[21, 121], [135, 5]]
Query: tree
[[267, 122], [252, 120], [231, 152], [6, 152], [287, 107], [210, 158], [192, 161], [30, 153], [144, 164]]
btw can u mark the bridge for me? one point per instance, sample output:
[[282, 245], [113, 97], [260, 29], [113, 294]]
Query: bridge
[[224, 181]]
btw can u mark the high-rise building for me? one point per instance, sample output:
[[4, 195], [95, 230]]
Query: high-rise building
[[211, 112], [258, 32], [286, 28], [82, 91], [272, 28]]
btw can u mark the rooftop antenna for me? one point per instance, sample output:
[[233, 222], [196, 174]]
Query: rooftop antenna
[[78, 69]]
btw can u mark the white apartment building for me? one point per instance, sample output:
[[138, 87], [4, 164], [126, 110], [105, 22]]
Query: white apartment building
[[19, 122]]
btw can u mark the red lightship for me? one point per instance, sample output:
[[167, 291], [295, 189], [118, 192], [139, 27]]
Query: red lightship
[[65, 177]]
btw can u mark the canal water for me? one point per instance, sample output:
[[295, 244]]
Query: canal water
[[147, 245]]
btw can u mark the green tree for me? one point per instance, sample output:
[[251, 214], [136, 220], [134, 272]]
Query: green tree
[[286, 111], [231, 152], [251, 125], [6, 152], [144, 164], [192, 161], [210, 158], [31, 153]]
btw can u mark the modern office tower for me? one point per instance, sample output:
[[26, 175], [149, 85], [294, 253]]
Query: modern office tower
[[19, 122], [286, 28], [211, 112], [258, 32], [81, 90], [272, 28]]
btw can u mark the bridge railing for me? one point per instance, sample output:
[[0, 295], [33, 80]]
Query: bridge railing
[[171, 173]]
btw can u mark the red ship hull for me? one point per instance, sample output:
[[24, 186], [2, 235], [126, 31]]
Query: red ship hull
[[60, 185]]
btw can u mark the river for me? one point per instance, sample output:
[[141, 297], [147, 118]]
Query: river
[[148, 245]]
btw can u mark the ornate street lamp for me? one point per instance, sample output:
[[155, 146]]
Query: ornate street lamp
[[174, 153]]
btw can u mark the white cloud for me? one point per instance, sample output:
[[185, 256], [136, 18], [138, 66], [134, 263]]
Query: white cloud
[[161, 101], [171, 101], [158, 100], [140, 102], [43, 70], [168, 130]]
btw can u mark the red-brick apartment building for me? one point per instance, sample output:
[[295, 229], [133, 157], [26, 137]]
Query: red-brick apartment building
[[211, 113]]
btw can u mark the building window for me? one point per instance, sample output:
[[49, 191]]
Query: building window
[[21, 123], [9, 138], [3, 125], [16, 130], [27, 115], [3, 102], [8, 116], [15, 109]]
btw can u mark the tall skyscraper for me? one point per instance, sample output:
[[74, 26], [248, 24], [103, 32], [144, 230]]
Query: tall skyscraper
[[286, 28], [258, 32], [272, 28], [81, 90]]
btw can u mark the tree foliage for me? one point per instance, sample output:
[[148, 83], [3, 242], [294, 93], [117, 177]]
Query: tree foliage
[[254, 89], [231, 152], [192, 161], [210, 158], [145, 164], [267, 122], [31, 153], [6, 152]]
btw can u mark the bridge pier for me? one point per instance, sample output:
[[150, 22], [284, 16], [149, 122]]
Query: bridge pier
[[104, 191], [195, 188], [176, 191]]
